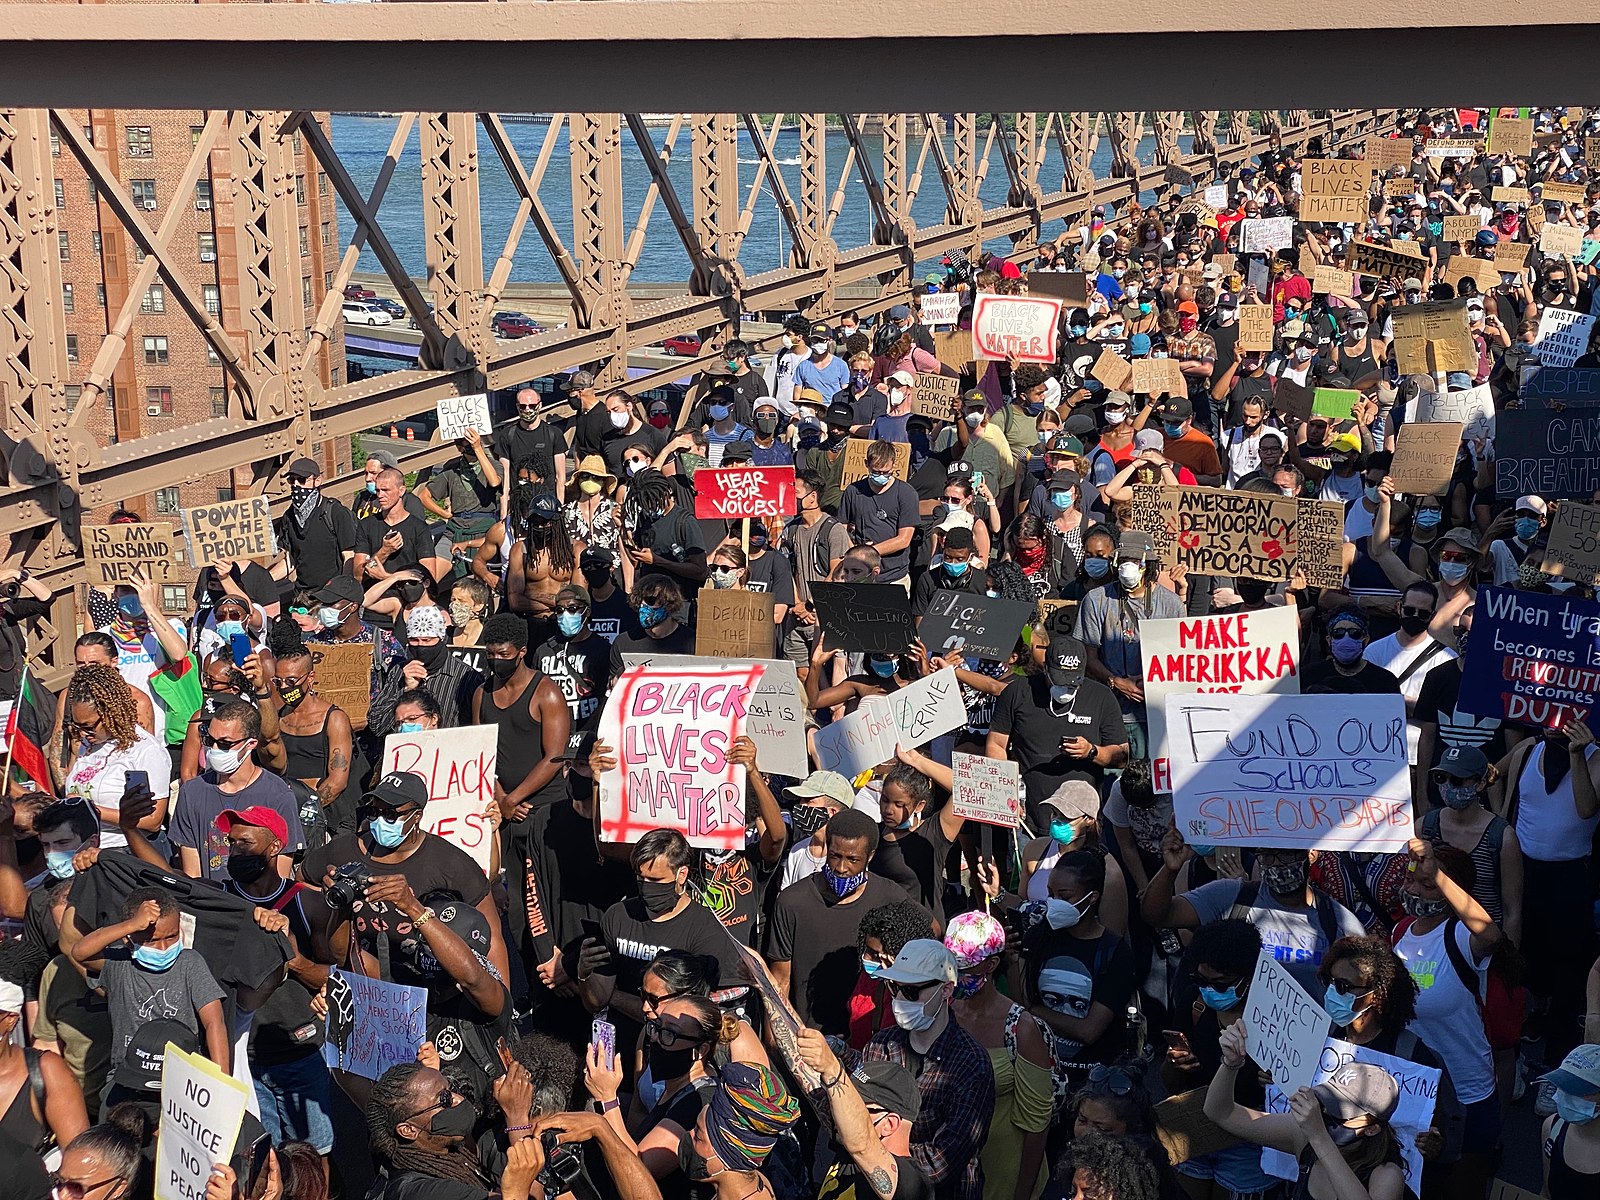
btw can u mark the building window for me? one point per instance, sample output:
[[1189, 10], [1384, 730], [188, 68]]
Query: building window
[[327, 281], [299, 189], [94, 193], [100, 294], [305, 244], [61, 194], [139, 255], [160, 399], [327, 233], [88, 134], [212, 357], [55, 144], [212, 296], [202, 194], [72, 347], [174, 598], [155, 300], [155, 351], [143, 192], [74, 394], [305, 292], [194, 134], [333, 377], [219, 402], [94, 240], [66, 297], [322, 185], [224, 493], [299, 143], [167, 500], [64, 248], [140, 143], [208, 246]]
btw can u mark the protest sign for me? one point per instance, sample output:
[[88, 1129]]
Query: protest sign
[[859, 742], [670, 730], [727, 493], [373, 1024], [1569, 385], [1534, 658], [201, 1110], [986, 789], [940, 308], [1334, 189], [1326, 772], [344, 677], [1284, 1027], [1561, 241], [1591, 152], [233, 529], [1386, 153], [1482, 271], [855, 460], [1226, 262], [1511, 136], [1071, 287], [1158, 377], [1329, 280], [1246, 652], [1216, 532], [1021, 327], [1216, 195], [866, 618], [1461, 229], [1450, 148], [1472, 408], [937, 396], [1442, 325], [1184, 1130], [1334, 403], [1574, 548], [1176, 174], [1425, 457], [1549, 453], [1511, 256], [1400, 188], [1560, 193], [457, 414], [1508, 195], [929, 708], [1398, 259], [774, 713], [1292, 400], [733, 623], [1256, 274], [953, 348], [1255, 327], [981, 626], [1419, 1092], [1266, 235], [458, 765], [1319, 541], [114, 552], [1563, 336], [1113, 370]]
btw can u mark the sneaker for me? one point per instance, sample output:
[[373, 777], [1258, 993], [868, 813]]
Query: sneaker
[[1519, 1080], [1544, 1105]]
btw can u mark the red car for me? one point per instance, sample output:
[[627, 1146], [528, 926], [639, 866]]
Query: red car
[[685, 344], [515, 325], [356, 292]]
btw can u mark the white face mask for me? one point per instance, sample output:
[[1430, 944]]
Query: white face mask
[[1130, 575], [1064, 914], [788, 342], [897, 395], [226, 762], [819, 348], [915, 1016], [1115, 416], [619, 420]]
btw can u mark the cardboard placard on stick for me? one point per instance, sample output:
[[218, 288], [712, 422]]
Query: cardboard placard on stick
[[1113, 370], [344, 676], [114, 552], [1462, 228], [855, 460], [954, 349], [229, 530], [1562, 193], [732, 493], [1425, 457], [864, 618], [1334, 189], [1071, 287], [1255, 327], [730, 623], [1509, 195], [1212, 531], [1291, 399], [1511, 256], [937, 396], [1482, 271], [1442, 325], [1319, 541], [1574, 548]]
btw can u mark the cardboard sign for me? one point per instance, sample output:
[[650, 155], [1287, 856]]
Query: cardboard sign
[[1248, 652], [1328, 280], [1509, 195], [1569, 385], [1072, 287], [1561, 193], [1563, 336], [1532, 658], [113, 553], [979, 626], [855, 461], [1333, 403], [459, 767], [940, 308], [1425, 457], [232, 529], [1255, 327], [1334, 189], [1266, 235], [1450, 148], [1021, 327], [864, 618], [774, 715], [457, 414], [670, 730], [1461, 229], [1113, 370], [1176, 174], [344, 677], [1292, 400], [1484, 272], [929, 708], [1591, 151], [1284, 1027], [1319, 538], [1226, 262], [1554, 454], [1438, 330], [937, 396], [1158, 377], [1184, 1130], [954, 349], [1399, 189], [201, 1110], [859, 742], [1216, 195], [728, 493], [1511, 136], [373, 1024], [1212, 531], [1473, 409], [1559, 240], [733, 623], [1511, 256], [1396, 260], [1386, 153], [986, 789], [1323, 772], [1574, 548]]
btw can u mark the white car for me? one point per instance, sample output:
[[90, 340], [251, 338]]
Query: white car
[[359, 312]]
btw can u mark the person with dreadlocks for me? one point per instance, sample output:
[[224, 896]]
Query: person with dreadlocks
[[542, 562], [421, 1133], [658, 534], [103, 735], [494, 552]]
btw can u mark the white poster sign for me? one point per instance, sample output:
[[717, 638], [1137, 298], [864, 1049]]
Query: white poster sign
[[1473, 407], [457, 414], [1264, 235], [774, 716], [860, 741], [929, 708], [986, 789], [941, 308], [1284, 1026], [1563, 336], [458, 765], [201, 1109], [1021, 327]]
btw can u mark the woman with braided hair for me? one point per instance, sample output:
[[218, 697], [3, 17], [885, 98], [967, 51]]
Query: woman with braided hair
[[103, 736], [422, 1134]]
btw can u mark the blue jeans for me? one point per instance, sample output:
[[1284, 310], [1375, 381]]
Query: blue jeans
[[294, 1098]]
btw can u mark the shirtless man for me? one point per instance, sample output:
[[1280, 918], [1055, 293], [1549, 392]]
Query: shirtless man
[[542, 563]]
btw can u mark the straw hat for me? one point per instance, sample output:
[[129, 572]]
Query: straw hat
[[595, 466]]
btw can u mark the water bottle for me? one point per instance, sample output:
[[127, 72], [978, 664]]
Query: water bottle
[[1136, 1031], [311, 811]]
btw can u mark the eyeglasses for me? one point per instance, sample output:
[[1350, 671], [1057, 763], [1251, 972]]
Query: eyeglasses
[[445, 1099], [71, 1189], [1408, 610], [668, 1038], [1345, 988], [1110, 1079], [221, 743], [651, 1000], [910, 991]]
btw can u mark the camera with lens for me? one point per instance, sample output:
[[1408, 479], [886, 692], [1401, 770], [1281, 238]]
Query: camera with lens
[[349, 885], [564, 1173], [11, 589]]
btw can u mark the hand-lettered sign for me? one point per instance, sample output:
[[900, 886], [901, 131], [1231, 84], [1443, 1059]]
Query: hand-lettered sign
[[114, 552], [867, 618], [373, 1024], [230, 530], [457, 414], [1533, 658], [201, 1111], [459, 767], [986, 789], [727, 493], [1284, 1027], [1021, 327]]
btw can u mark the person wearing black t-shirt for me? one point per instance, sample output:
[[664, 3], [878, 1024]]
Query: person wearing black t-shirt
[[916, 838], [609, 611], [662, 624], [577, 660], [659, 534], [1346, 671], [394, 539], [531, 438], [883, 512], [318, 532]]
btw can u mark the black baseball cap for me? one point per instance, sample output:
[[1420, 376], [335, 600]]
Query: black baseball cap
[[400, 788], [147, 1053], [304, 468], [841, 416], [889, 1086], [1066, 661], [341, 589]]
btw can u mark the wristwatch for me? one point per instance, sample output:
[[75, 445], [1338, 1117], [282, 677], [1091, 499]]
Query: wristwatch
[[607, 1105]]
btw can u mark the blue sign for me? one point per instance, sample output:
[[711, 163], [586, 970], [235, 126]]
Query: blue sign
[[1532, 659], [1570, 385]]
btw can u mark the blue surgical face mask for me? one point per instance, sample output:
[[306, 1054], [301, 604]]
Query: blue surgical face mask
[[1114, 331], [719, 412], [410, 727], [59, 863], [226, 629], [1203, 851], [1061, 500], [1096, 566], [1342, 1010], [880, 480], [329, 618], [1372, 491], [1428, 518], [651, 615], [1078, 331], [1527, 528], [872, 967], [883, 668], [1062, 832], [1575, 1110], [1220, 1001], [1171, 429], [372, 487], [152, 959], [860, 379], [957, 569], [1145, 308], [388, 832], [1454, 572], [569, 623]]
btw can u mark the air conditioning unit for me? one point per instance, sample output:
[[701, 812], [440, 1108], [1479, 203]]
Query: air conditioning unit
[[208, 256], [202, 205], [149, 206], [152, 410]]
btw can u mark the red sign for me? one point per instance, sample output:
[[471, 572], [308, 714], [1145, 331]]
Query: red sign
[[758, 492], [1021, 327]]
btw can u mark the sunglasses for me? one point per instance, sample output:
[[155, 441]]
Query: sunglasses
[[666, 1038], [1349, 989], [1110, 1079], [1407, 610], [572, 608], [221, 743], [910, 991], [71, 1189], [445, 1099], [652, 1000]]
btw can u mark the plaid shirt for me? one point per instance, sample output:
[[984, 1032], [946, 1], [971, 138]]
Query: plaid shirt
[[956, 1080]]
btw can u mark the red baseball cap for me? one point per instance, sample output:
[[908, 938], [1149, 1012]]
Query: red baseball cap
[[257, 814]]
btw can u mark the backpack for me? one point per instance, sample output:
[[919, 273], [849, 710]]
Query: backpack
[[1327, 919], [819, 547]]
